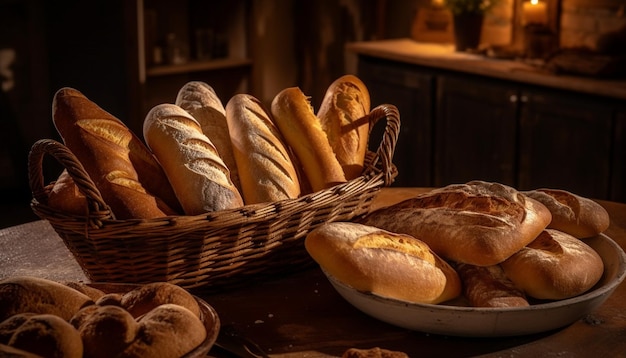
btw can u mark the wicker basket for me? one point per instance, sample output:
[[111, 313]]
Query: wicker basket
[[211, 250]]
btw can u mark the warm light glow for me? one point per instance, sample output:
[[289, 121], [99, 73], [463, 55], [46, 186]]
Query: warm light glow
[[534, 12], [534, 2], [438, 2]]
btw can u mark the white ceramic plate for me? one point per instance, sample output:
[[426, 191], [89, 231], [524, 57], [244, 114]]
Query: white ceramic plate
[[494, 322]]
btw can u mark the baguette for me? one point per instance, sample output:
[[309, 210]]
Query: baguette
[[101, 143], [198, 175], [201, 101], [65, 196], [342, 115], [303, 132], [263, 159]]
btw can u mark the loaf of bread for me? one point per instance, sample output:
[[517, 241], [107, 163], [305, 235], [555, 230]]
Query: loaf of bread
[[342, 115], [573, 214], [303, 132], [144, 298], [478, 223], [488, 286], [267, 170], [201, 101], [197, 173], [375, 352], [65, 196], [106, 331], [554, 266], [45, 335], [385, 263], [100, 141], [91, 292]]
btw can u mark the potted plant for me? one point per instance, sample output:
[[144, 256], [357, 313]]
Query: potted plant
[[468, 16]]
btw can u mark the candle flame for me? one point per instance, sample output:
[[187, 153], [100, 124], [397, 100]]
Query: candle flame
[[534, 2]]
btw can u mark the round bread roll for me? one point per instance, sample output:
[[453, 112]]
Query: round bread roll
[[388, 264], [554, 266], [45, 335], [342, 115], [106, 331], [488, 286], [303, 132], [20, 294], [573, 214], [478, 223], [144, 298]]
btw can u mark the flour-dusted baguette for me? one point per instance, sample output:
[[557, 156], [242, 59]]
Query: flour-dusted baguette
[[303, 132], [101, 143], [342, 115], [573, 214], [197, 173], [388, 264], [478, 223], [554, 266], [488, 286], [267, 170], [201, 101]]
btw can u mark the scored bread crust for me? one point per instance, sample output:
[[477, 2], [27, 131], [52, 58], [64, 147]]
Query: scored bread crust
[[554, 266], [388, 264], [198, 175], [573, 214], [488, 286], [478, 223], [263, 158]]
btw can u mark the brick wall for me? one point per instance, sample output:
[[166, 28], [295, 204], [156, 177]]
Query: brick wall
[[583, 21]]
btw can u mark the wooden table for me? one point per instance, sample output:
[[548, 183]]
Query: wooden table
[[301, 315]]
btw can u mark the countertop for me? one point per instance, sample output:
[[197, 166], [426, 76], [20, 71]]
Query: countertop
[[443, 56]]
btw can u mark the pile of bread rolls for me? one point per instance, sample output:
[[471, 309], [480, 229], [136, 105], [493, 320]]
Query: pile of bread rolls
[[40, 317], [482, 244], [199, 156]]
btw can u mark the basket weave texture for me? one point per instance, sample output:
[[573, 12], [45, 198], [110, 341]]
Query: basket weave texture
[[212, 250]]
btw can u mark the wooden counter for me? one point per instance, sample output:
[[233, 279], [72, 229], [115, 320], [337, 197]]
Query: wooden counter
[[301, 315]]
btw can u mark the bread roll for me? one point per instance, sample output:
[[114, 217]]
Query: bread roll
[[388, 264], [144, 298], [488, 286], [101, 143], [45, 335], [554, 266], [573, 214], [198, 175], [267, 171], [106, 331], [65, 196], [477, 223], [303, 132], [342, 115], [91, 292], [201, 101], [21, 294]]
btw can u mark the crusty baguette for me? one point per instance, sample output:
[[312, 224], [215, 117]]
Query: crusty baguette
[[65, 197], [264, 161], [488, 286], [388, 264], [478, 223], [303, 132], [101, 142], [554, 266], [342, 115], [573, 214], [201, 101], [198, 175]]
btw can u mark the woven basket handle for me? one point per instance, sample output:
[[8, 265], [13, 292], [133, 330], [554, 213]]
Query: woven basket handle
[[387, 146], [74, 168]]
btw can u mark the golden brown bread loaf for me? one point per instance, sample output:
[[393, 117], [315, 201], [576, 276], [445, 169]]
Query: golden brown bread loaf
[[21, 294], [303, 132], [106, 331], [201, 101], [554, 266], [144, 298], [388, 264], [91, 292], [488, 286], [375, 352], [342, 116], [100, 141], [267, 171], [478, 223], [198, 175], [573, 214], [45, 335], [66, 197]]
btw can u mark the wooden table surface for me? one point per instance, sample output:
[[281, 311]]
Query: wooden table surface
[[301, 315]]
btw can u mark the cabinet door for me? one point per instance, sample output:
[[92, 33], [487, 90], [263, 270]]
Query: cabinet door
[[410, 90], [475, 131], [565, 143]]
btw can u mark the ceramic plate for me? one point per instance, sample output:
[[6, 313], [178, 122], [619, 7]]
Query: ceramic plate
[[494, 322]]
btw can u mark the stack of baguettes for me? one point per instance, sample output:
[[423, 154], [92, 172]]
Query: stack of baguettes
[[201, 156], [480, 243]]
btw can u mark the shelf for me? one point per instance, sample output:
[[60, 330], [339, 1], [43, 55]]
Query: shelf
[[198, 66]]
